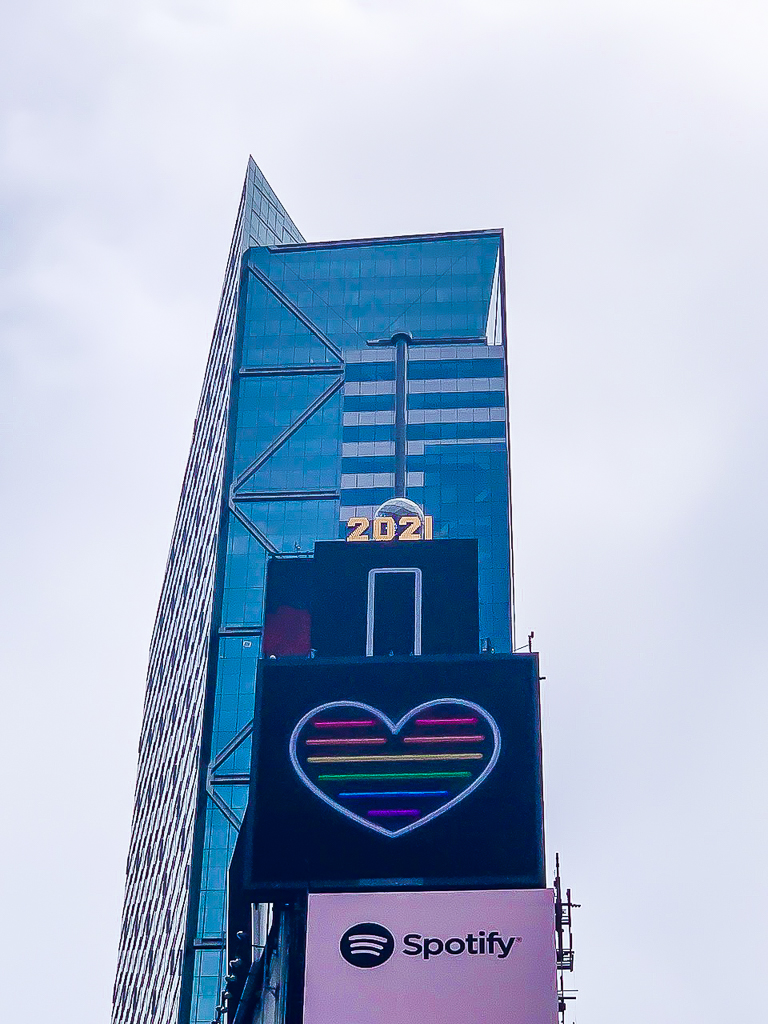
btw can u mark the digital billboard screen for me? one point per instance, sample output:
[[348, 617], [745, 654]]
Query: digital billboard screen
[[396, 771], [469, 957], [350, 578]]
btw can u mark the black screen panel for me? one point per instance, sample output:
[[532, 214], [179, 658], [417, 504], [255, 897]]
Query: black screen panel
[[450, 609], [390, 771]]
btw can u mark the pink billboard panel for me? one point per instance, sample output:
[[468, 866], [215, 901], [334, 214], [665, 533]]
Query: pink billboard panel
[[469, 957]]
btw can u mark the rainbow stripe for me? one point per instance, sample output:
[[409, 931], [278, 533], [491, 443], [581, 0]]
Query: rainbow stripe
[[398, 775], [347, 740], [434, 739], [446, 721], [399, 813], [388, 794], [342, 725], [368, 758]]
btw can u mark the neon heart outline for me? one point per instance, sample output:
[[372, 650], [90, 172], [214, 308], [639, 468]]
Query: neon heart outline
[[395, 728]]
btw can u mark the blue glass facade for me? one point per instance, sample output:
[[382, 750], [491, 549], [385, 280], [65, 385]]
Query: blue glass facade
[[304, 411], [158, 948], [440, 289]]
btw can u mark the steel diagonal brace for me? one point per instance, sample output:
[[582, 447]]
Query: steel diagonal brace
[[230, 748], [227, 811], [279, 441], [293, 308], [252, 528], [220, 758]]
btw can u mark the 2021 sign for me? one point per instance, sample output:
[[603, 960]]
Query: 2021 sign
[[388, 528]]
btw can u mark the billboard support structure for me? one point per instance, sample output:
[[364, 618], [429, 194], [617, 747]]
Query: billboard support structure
[[564, 941]]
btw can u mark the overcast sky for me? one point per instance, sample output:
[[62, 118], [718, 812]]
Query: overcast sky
[[623, 147]]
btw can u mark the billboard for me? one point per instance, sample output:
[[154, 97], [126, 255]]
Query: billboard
[[469, 957], [389, 771], [350, 579]]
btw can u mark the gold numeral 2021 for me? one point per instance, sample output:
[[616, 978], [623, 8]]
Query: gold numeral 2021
[[385, 528]]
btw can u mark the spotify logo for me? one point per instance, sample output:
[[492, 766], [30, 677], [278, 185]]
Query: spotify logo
[[367, 945]]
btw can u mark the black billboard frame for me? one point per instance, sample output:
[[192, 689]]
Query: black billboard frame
[[254, 836]]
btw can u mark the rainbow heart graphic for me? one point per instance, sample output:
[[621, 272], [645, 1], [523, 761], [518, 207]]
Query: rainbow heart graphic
[[394, 777]]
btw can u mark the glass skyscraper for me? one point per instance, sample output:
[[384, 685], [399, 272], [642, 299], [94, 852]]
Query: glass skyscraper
[[295, 434]]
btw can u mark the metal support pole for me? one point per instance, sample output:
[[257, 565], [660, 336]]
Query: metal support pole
[[401, 416]]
